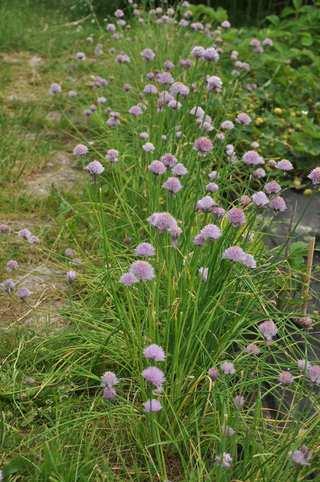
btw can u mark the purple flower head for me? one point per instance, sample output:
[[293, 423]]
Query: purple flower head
[[152, 406], [260, 199], [135, 110], [303, 365], [212, 187], [111, 28], [218, 211], [213, 175], [185, 63], [228, 368], [284, 165], [168, 159], [172, 184], [109, 393], [154, 352], [168, 65], [178, 88], [128, 279], [259, 173], [213, 373], [268, 330], [314, 374], [8, 285], [23, 293], [123, 59], [148, 147], [226, 24], [301, 456], [198, 52], [236, 216], [249, 261], [144, 135], [150, 89], [119, 13], [210, 232], [224, 460], [179, 170], [95, 168], [55, 88], [165, 222], [203, 145], [174, 104], [112, 155], [245, 200], [234, 253], [12, 265], [214, 83], [314, 176], [71, 276], [278, 204], [305, 322], [142, 270], [211, 54], [205, 204], [285, 378], [109, 379], [198, 112], [145, 250], [239, 401], [252, 349], [252, 158], [243, 118], [154, 375], [164, 78], [227, 125], [147, 54], [101, 100], [267, 42], [80, 150], [80, 56], [157, 167], [272, 187]]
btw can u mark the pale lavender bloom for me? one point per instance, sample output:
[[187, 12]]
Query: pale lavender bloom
[[111, 28], [33, 239], [285, 377], [174, 104], [135, 110], [154, 352], [314, 374], [168, 159], [164, 78], [228, 368], [112, 155], [249, 261], [109, 379], [211, 54], [284, 165], [227, 125], [234, 55], [80, 150], [245, 200], [268, 330], [123, 59], [121, 23], [126, 87], [203, 273], [23, 293], [184, 23], [243, 118], [128, 279], [205, 204], [150, 76], [267, 42], [239, 401], [147, 54], [109, 393], [164, 99], [178, 88], [197, 111], [144, 135], [154, 375], [234, 253], [168, 65], [95, 168], [236, 216], [8, 285], [172, 184], [198, 52], [260, 199], [225, 460], [71, 276], [144, 249], [55, 88], [150, 89], [12, 265], [303, 365], [259, 173], [164, 222], [152, 406], [179, 170], [119, 13], [214, 83], [301, 456], [4, 228], [157, 167], [278, 204], [185, 63], [212, 187], [142, 270], [101, 100], [226, 24], [25, 234], [100, 81], [305, 321], [210, 232], [113, 121], [203, 145], [213, 374], [314, 176], [148, 147], [252, 158], [80, 56], [252, 349], [218, 211], [272, 187], [213, 175]]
